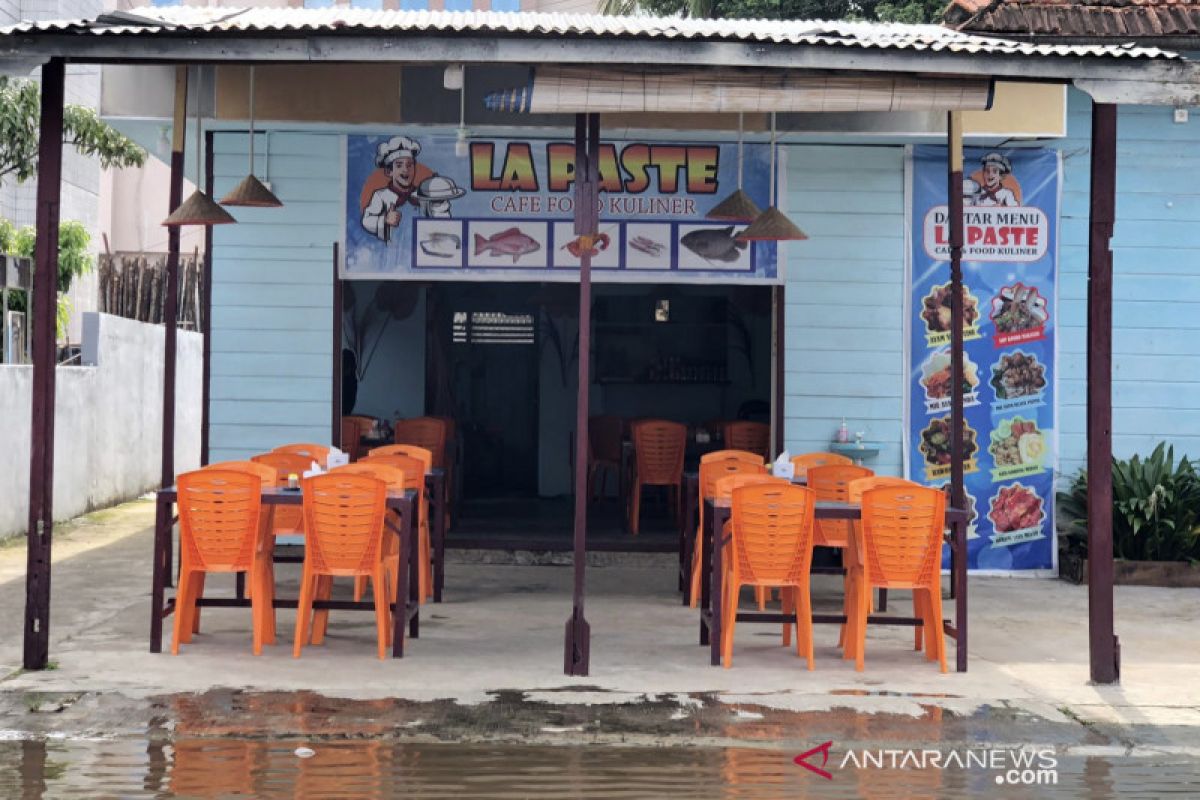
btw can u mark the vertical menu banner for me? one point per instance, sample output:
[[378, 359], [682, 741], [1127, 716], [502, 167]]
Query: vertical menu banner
[[1010, 215]]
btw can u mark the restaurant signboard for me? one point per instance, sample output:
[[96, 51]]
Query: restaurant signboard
[[1010, 226], [416, 209]]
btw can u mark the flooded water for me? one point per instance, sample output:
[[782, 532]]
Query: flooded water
[[225, 767]]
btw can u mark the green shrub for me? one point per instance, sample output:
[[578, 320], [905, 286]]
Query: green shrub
[[1156, 509]]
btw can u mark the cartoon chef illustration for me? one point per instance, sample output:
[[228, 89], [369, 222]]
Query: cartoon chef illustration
[[993, 184], [434, 196], [394, 186]]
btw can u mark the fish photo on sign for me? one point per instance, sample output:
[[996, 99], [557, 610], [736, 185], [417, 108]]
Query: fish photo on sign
[[648, 245], [714, 249], [439, 243], [508, 244]]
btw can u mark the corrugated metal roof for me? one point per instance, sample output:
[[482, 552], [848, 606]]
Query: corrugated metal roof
[[176, 20], [1096, 20]]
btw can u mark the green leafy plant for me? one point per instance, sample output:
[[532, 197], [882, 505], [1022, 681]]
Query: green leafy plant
[[74, 260], [1156, 508]]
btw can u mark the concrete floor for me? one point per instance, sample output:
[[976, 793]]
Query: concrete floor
[[501, 630]]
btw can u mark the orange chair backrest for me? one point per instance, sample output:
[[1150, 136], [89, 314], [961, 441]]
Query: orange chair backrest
[[854, 494], [427, 432], [343, 522], [413, 468], [902, 535], [754, 437], [314, 452], [284, 463], [712, 471], [604, 435], [266, 473], [731, 455], [772, 533], [832, 482], [410, 450], [802, 462], [218, 518], [724, 487], [393, 476], [658, 447]]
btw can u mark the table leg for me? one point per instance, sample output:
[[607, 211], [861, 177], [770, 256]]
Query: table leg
[[883, 599], [706, 540], [414, 581], [161, 566], [439, 537], [687, 538], [717, 594], [400, 611]]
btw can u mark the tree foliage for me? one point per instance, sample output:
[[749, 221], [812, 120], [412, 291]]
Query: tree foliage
[[910, 11], [20, 109]]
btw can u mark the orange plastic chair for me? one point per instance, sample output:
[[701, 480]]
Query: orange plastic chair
[[723, 489], [605, 433], [287, 520], [433, 434], [395, 479], [711, 471], [314, 452], [414, 478], [852, 557], [902, 549], [344, 514], [219, 531], [832, 482], [771, 529], [732, 455], [658, 447], [802, 462], [354, 428], [422, 454], [754, 437]]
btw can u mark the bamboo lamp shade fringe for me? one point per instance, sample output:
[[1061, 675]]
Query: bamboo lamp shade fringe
[[251, 192], [737, 207], [772, 225], [199, 209]]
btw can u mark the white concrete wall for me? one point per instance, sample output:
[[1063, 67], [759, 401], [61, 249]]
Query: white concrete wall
[[108, 420]]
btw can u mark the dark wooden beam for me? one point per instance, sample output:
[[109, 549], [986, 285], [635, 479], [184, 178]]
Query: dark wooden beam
[[336, 398], [954, 198], [1102, 640], [206, 309], [44, 295], [171, 300], [780, 367]]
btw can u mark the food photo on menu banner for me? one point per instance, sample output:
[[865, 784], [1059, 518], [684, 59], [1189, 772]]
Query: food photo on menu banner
[[1009, 267]]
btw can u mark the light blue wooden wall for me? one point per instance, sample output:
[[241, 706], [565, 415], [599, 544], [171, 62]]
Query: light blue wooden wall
[[272, 293], [844, 298]]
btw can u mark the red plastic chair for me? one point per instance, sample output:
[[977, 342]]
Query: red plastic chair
[[754, 437]]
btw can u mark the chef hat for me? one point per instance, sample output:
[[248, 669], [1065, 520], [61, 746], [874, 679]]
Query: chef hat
[[396, 147], [999, 160]]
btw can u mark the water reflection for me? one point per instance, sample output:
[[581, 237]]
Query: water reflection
[[216, 767]]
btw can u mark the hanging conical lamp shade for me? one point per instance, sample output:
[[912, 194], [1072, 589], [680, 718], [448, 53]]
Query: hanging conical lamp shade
[[251, 192], [199, 209], [738, 206], [772, 225]]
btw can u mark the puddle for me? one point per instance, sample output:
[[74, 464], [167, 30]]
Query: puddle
[[224, 767]]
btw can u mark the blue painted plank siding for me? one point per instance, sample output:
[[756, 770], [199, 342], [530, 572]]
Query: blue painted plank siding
[[844, 298], [272, 294]]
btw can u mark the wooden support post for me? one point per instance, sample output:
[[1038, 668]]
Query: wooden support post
[[1102, 640], [778, 370], [954, 198], [175, 197], [587, 221], [336, 398], [206, 309], [44, 305]]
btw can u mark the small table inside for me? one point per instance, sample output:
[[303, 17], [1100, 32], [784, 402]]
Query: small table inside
[[404, 504]]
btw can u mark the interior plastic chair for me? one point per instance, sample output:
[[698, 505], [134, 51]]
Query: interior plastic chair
[[344, 515], [658, 447], [219, 531], [414, 478], [433, 434], [852, 559], [902, 549], [314, 452], [395, 479], [754, 437], [286, 520], [771, 530], [711, 471], [801, 463], [734, 455], [605, 433], [354, 428]]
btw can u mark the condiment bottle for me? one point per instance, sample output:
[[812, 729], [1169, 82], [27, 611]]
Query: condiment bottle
[[843, 433]]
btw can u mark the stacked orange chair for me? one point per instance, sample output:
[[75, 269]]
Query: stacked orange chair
[[658, 447], [314, 452], [713, 467], [394, 478], [902, 549], [287, 520], [801, 463], [754, 437], [605, 433], [343, 517], [219, 531], [414, 470], [771, 529]]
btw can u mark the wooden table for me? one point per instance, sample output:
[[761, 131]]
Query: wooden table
[[712, 573], [404, 504]]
